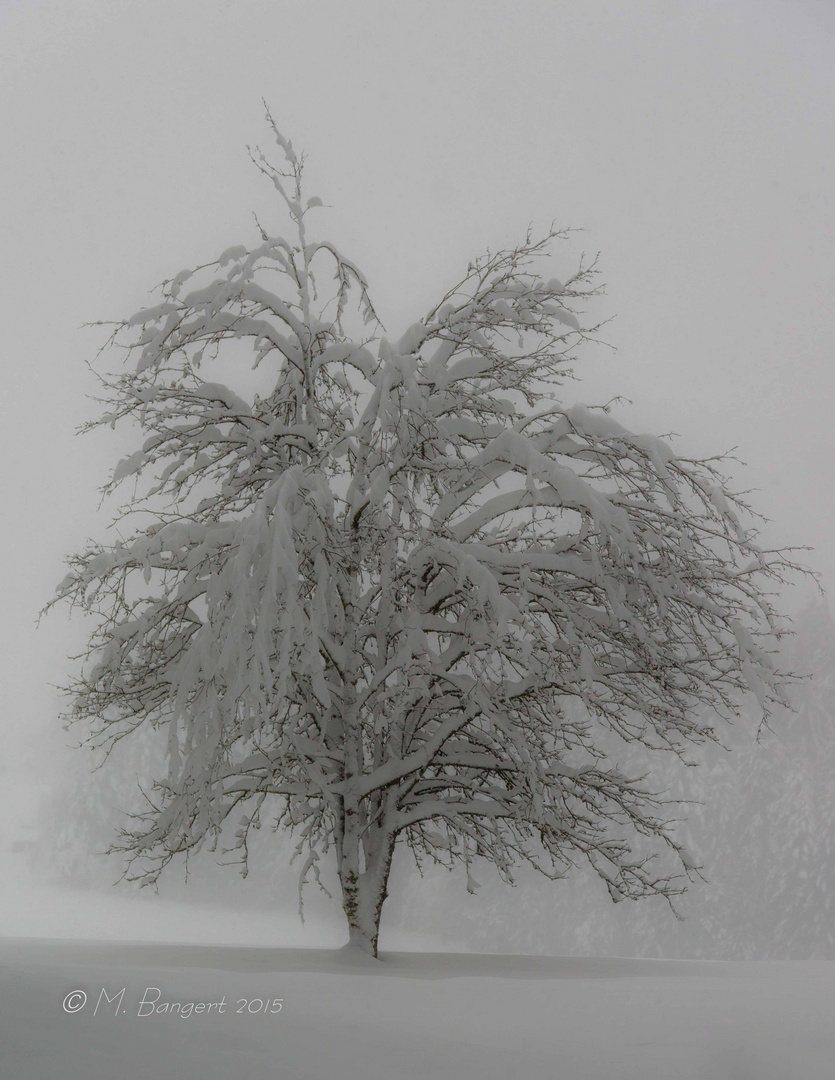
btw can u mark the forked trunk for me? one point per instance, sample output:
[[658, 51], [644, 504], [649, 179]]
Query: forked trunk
[[364, 892]]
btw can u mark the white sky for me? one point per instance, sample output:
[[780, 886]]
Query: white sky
[[693, 141]]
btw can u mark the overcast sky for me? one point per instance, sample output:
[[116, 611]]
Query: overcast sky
[[691, 141]]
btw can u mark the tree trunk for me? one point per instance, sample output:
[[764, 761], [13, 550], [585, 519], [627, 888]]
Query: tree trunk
[[364, 892]]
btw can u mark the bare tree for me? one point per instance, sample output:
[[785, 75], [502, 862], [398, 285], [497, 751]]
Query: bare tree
[[365, 603]]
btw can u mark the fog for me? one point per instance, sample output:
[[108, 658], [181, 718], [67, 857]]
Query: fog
[[692, 145]]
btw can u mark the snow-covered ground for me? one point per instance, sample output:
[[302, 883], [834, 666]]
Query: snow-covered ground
[[314, 1015], [121, 1009]]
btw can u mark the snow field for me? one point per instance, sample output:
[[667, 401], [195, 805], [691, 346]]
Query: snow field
[[436, 1015]]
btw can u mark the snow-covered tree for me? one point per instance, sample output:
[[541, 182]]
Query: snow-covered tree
[[360, 602], [767, 826]]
